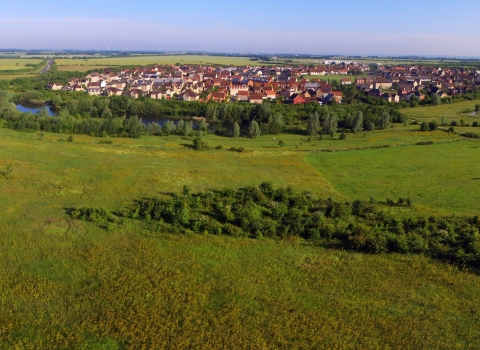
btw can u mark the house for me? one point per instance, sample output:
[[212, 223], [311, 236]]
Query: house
[[382, 83], [242, 96], [54, 86], [390, 97], [94, 89], [218, 96], [256, 98], [135, 93], [112, 91], [346, 81], [297, 99], [189, 95], [269, 92]]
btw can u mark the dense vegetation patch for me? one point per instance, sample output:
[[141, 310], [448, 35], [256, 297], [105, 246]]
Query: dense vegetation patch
[[257, 212]]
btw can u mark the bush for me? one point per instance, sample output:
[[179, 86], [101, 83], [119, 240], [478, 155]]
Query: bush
[[433, 125], [471, 135], [200, 144], [475, 124]]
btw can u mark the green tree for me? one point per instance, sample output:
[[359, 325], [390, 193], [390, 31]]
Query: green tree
[[186, 129], [180, 126], [436, 100], [329, 124], [313, 124], [424, 127], [358, 123], [253, 130], [236, 130], [444, 120], [281, 143], [275, 124], [203, 125], [477, 108], [433, 125], [385, 121]]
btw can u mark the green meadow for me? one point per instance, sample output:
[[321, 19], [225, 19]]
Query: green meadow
[[69, 284], [454, 111]]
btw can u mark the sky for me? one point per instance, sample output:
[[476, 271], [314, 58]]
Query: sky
[[367, 27]]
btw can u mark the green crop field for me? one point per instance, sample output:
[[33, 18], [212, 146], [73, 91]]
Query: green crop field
[[69, 284], [150, 60], [17, 63]]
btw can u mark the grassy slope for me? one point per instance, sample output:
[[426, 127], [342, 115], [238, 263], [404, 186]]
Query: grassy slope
[[67, 284], [441, 177], [455, 111]]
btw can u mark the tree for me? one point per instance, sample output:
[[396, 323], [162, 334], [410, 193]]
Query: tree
[[180, 126], [313, 124], [433, 125], [275, 124], [253, 130], [444, 121], [424, 127], [203, 125], [477, 108], [343, 136], [358, 123], [236, 130], [330, 124], [385, 122], [186, 129], [281, 143], [475, 124], [200, 144], [436, 100]]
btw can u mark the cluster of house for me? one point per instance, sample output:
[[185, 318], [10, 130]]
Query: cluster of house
[[256, 84]]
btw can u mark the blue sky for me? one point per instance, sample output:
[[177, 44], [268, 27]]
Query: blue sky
[[365, 27]]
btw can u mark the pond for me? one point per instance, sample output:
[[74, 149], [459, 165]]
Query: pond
[[146, 119], [28, 108]]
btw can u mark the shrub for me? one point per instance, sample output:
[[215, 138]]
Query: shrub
[[200, 144], [433, 125]]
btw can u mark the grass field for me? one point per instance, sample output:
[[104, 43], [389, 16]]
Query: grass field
[[442, 176], [454, 111], [69, 284]]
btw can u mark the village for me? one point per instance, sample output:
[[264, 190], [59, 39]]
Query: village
[[286, 84]]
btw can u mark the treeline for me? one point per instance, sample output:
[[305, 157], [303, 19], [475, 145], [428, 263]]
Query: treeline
[[257, 212], [64, 122]]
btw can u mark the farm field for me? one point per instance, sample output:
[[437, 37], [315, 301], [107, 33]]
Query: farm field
[[70, 284], [149, 60], [17, 63]]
